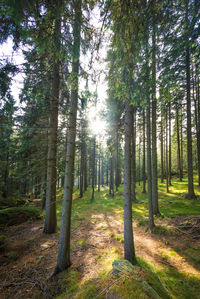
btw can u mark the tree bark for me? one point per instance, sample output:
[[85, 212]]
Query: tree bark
[[93, 167], [111, 189], [154, 120], [166, 144], [129, 250], [50, 224], [149, 170], [189, 133], [63, 260], [144, 157], [161, 147], [99, 169], [133, 175], [170, 147], [178, 145]]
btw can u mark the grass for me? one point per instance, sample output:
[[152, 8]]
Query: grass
[[171, 204]]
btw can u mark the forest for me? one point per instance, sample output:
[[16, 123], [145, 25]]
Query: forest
[[99, 149]]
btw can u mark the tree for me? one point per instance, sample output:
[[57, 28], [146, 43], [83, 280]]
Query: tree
[[63, 260], [129, 252]]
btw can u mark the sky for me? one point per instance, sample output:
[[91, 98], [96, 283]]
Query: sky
[[96, 123]]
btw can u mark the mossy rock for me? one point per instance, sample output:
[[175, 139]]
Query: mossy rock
[[125, 281], [126, 269], [12, 202], [17, 215]]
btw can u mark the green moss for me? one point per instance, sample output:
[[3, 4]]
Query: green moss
[[81, 242], [178, 284], [88, 290], [16, 215], [118, 238], [128, 288], [69, 281]]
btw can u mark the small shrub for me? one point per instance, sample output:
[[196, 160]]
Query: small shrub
[[141, 222]]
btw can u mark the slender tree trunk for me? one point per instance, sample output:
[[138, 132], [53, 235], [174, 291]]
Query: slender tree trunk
[[102, 169], [166, 134], [93, 167], [178, 145], [85, 167], [63, 260], [107, 173], [154, 131], [170, 147], [139, 159], [144, 157], [198, 130], [161, 147], [111, 190], [189, 133], [82, 165], [133, 157], [129, 250], [117, 161], [99, 170], [197, 123], [6, 172], [50, 224], [149, 170], [181, 143]]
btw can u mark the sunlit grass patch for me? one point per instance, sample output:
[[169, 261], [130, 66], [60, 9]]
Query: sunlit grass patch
[[81, 242]]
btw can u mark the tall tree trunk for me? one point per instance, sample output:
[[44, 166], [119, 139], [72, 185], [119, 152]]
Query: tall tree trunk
[[117, 160], [154, 120], [139, 159], [166, 144], [170, 147], [93, 167], [50, 224], [133, 156], [129, 250], [197, 123], [189, 133], [149, 170], [63, 260], [85, 167], [111, 189], [161, 147], [82, 165], [178, 145], [144, 157], [99, 169], [102, 169], [181, 141], [107, 172]]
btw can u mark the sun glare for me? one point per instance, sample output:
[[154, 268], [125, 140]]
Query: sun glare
[[98, 127]]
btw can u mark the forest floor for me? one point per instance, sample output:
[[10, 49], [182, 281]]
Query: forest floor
[[173, 248]]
